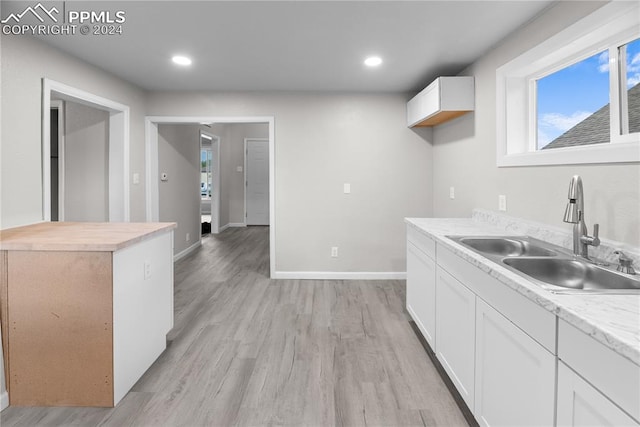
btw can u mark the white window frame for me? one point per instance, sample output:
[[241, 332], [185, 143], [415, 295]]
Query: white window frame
[[610, 26]]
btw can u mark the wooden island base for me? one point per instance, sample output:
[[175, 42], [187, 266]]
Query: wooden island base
[[80, 327]]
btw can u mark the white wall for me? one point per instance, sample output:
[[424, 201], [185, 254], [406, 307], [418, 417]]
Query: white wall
[[86, 163], [321, 142], [231, 156], [179, 157], [25, 61], [464, 155], [234, 180]]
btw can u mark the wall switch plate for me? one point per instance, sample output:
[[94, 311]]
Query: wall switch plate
[[238, 168], [452, 192], [147, 269], [164, 176], [502, 203], [347, 188], [136, 178], [334, 252], [188, 237]]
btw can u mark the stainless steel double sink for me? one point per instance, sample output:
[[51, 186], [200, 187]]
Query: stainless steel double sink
[[549, 266]]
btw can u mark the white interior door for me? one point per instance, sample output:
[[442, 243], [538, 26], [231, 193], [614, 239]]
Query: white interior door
[[257, 181]]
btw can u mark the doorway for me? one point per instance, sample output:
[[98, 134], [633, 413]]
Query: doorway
[[153, 172], [57, 160], [256, 167], [210, 181], [118, 148]]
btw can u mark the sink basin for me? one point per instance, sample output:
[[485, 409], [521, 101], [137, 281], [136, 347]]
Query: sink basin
[[551, 267], [505, 246], [571, 274]]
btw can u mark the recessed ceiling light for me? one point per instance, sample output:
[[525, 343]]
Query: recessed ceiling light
[[373, 61], [181, 60]]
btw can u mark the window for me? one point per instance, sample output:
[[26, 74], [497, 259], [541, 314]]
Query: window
[[630, 93], [576, 97], [573, 104]]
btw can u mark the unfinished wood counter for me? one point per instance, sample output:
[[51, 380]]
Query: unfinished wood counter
[[84, 309]]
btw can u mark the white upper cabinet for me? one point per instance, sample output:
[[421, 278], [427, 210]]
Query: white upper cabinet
[[444, 99]]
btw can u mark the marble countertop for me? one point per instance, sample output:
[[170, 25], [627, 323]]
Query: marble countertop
[[80, 236], [613, 320]]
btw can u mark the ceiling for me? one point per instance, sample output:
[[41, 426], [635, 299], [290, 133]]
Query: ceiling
[[295, 45]]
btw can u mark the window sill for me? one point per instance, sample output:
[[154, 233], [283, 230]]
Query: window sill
[[623, 152]]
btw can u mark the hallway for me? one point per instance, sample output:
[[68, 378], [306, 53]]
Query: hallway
[[247, 350]]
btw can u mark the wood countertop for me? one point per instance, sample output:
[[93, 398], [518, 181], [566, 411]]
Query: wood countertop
[[80, 236]]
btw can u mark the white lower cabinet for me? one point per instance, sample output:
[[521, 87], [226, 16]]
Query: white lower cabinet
[[421, 292], [580, 404], [513, 362], [455, 329], [515, 376]]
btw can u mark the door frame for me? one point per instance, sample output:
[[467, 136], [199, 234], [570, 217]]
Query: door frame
[[152, 190], [245, 154], [215, 220], [59, 105], [119, 210]]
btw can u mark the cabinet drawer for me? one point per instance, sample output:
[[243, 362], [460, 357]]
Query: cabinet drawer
[[614, 375], [537, 322], [422, 242]]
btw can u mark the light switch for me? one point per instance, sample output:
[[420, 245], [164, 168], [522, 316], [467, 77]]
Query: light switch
[[452, 193], [136, 178], [238, 168], [347, 188], [164, 176]]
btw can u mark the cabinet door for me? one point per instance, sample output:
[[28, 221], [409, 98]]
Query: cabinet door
[[515, 376], [421, 292], [414, 110], [580, 404], [455, 329]]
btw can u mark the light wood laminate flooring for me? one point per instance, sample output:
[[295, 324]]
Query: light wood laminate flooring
[[251, 351]]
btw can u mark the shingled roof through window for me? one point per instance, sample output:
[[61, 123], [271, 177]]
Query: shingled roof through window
[[595, 128]]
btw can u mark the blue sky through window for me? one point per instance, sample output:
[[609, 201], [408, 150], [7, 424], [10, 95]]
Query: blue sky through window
[[570, 95]]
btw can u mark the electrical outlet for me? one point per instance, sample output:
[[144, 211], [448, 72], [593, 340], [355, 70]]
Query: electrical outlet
[[334, 252], [452, 192], [502, 203], [147, 269], [188, 237]]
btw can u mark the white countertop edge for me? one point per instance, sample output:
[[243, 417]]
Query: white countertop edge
[[568, 311]]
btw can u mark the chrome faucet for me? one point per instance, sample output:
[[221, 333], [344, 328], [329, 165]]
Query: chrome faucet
[[574, 213]]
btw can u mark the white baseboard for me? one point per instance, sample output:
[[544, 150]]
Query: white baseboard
[[340, 275], [231, 224], [4, 401], [187, 251]]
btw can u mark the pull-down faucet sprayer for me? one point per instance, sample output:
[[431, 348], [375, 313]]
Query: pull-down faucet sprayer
[[574, 213]]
